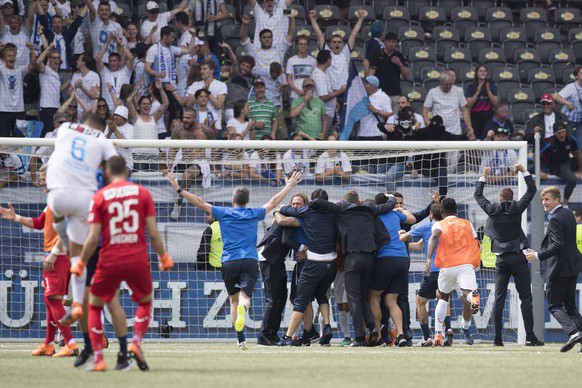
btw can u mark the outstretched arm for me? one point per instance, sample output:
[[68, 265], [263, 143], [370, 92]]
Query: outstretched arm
[[356, 29], [290, 183], [193, 199]]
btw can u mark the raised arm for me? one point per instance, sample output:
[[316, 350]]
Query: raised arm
[[101, 53], [356, 29], [165, 102], [231, 57], [181, 7], [193, 199], [290, 183], [42, 57], [317, 29]]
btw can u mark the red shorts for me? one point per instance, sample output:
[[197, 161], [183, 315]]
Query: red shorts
[[57, 282], [107, 278]]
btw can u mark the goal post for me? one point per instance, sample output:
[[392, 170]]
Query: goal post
[[194, 301]]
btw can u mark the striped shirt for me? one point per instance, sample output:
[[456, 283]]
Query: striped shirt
[[262, 112]]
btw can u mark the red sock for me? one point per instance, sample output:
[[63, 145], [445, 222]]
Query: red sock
[[96, 331], [142, 321], [58, 310], [51, 324]]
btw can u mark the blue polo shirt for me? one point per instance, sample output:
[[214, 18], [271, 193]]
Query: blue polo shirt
[[424, 231], [238, 228], [395, 248]]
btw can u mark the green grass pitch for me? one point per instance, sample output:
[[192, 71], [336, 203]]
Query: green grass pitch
[[223, 365]]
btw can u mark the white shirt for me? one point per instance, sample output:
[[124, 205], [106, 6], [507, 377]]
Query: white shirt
[[89, 82], [264, 57], [448, 106], [260, 165], [50, 84], [299, 69], [277, 23], [65, 9], [153, 57], [325, 161], [12, 99], [127, 131], [339, 70], [116, 79], [291, 159], [549, 121], [239, 127], [78, 153], [323, 86], [160, 123], [369, 124], [12, 164], [216, 88], [146, 26], [19, 40], [502, 162], [99, 34]]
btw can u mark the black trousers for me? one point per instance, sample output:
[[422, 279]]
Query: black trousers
[[507, 265], [561, 296], [275, 284], [358, 268]]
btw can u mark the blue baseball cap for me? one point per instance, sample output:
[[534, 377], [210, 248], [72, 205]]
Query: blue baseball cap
[[373, 80]]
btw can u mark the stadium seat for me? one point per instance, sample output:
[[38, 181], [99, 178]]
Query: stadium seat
[[492, 57], [379, 6], [546, 39], [482, 6], [512, 38], [531, 19], [464, 18], [410, 36], [125, 9], [313, 49], [358, 54], [567, 76], [506, 79], [231, 19], [231, 34], [430, 76], [575, 39], [306, 30], [414, 7], [327, 15], [431, 17], [420, 57], [395, 17], [526, 59], [445, 37], [526, 115], [448, 6], [520, 100], [540, 80], [560, 59], [248, 11], [368, 19], [406, 83], [477, 38], [301, 16], [457, 58], [416, 95], [465, 76], [343, 31], [565, 19], [497, 18]]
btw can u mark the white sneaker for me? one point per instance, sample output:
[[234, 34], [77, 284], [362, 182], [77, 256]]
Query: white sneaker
[[243, 345], [176, 211]]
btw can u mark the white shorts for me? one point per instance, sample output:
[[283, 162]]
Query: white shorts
[[75, 206], [464, 275], [339, 288]]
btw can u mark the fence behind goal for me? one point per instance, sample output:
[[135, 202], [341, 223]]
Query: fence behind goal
[[194, 301]]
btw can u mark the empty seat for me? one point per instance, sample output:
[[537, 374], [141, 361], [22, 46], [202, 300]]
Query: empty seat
[[457, 58], [520, 100], [300, 14], [506, 79], [512, 39], [565, 19], [492, 57], [449, 5], [368, 10], [414, 7], [395, 17], [575, 39], [445, 37], [432, 16], [476, 39], [497, 18], [482, 6], [410, 36], [420, 57], [379, 6], [560, 59], [546, 39], [526, 59], [416, 95], [231, 34], [327, 15], [531, 19], [465, 76], [464, 18]]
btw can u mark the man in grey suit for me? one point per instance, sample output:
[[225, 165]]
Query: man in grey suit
[[560, 264], [507, 242]]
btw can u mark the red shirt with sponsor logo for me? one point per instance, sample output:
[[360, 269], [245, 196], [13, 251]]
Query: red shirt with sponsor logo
[[121, 208]]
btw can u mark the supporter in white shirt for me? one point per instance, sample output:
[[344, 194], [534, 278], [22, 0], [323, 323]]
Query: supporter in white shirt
[[61, 8], [270, 16], [119, 128], [299, 66], [15, 34], [240, 124], [323, 84], [11, 168], [266, 165], [161, 59], [117, 74], [87, 83], [11, 87], [333, 163], [157, 19], [380, 109], [101, 27], [50, 87], [296, 159]]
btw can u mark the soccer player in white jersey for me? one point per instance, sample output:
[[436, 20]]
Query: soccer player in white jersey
[[72, 181]]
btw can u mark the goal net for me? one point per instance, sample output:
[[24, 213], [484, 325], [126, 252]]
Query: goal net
[[192, 298]]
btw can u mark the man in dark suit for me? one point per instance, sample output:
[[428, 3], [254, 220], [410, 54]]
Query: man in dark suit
[[275, 245], [358, 241], [560, 264], [508, 242]]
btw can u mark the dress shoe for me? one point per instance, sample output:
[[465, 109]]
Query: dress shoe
[[572, 341]]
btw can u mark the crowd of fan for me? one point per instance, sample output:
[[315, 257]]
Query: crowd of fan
[[64, 59]]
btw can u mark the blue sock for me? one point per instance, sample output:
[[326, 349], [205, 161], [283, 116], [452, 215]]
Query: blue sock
[[447, 323], [425, 330], [122, 344], [240, 336]]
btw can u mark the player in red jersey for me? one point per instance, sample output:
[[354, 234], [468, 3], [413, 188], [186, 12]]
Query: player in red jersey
[[120, 214], [55, 277]]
